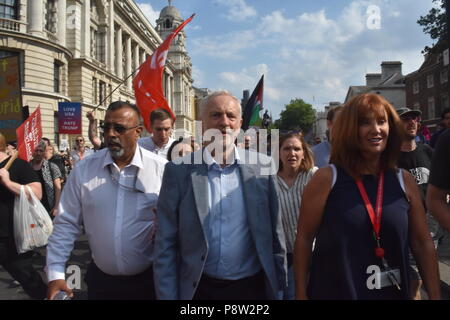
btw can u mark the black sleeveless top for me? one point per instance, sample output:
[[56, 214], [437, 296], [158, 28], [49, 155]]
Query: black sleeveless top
[[345, 246]]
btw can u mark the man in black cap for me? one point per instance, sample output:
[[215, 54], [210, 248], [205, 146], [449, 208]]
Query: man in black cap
[[416, 158]]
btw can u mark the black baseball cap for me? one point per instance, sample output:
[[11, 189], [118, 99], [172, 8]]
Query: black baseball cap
[[407, 111]]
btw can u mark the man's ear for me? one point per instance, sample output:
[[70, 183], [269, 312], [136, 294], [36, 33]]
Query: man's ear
[[139, 131]]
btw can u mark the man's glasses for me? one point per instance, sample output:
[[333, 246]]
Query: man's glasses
[[79, 140], [120, 129]]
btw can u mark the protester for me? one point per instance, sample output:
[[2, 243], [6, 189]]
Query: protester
[[296, 168], [322, 150], [317, 140], [354, 249], [179, 148], [160, 141], [80, 152], [445, 124], [55, 158], [219, 230], [416, 158], [92, 132], [112, 195], [50, 178], [439, 184], [19, 266]]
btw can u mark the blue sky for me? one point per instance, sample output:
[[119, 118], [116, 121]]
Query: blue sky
[[307, 49]]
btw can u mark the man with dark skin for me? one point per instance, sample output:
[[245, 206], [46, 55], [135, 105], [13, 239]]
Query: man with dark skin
[[113, 195]]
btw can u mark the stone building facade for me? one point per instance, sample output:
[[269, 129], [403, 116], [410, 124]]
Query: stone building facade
[[81, 51]]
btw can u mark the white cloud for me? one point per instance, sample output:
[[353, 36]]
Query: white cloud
[[198, 76], [193, 27], [151, 14], [238, 10], [315, 54], [225, 46]]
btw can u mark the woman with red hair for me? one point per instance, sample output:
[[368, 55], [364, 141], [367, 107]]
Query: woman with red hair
[[364, 214]]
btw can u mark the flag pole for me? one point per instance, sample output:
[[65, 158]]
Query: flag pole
[[11, 160], [121, 83]]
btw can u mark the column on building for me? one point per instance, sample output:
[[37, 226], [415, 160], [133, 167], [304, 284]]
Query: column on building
[[136, 57], [36, 17], [169, 90], [61, 27], [119, 52], [110, 42], [86, 29], [143, 56], [128, 60]]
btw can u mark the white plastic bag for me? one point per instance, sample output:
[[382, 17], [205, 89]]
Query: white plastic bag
[[32, 224]]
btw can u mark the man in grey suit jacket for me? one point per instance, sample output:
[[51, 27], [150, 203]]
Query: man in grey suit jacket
[[219, 229]]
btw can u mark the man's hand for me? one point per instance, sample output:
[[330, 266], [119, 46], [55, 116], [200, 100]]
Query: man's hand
[[54, 211], [4, 176], [90, 116], [56, 286]]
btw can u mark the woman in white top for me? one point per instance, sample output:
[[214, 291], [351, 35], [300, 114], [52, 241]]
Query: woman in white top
[[295, 170]]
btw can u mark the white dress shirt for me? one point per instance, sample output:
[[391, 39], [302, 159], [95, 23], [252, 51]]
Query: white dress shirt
[[116, 209], [148, 144]]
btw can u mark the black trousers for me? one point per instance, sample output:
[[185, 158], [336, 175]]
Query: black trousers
[[20, 267], [102, 286], [251, 288]]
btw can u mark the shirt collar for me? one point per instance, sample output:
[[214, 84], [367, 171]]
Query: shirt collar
[[136, 161], [210, 161]]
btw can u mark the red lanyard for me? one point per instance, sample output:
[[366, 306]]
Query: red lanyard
[[375, 215]]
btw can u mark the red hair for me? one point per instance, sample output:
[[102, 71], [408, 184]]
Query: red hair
[[345, 144]]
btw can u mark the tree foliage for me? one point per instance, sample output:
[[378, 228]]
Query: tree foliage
[[434, 23], [297, 115]]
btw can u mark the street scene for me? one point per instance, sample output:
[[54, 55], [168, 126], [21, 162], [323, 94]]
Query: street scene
[[224, 150]]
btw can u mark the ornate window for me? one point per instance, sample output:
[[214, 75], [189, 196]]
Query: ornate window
[[444, 76], [430, 81], [431, 108], [94, 91], [102, 92], [168, 24], [415, 87], [50, 16], [9, 9], [57, 66], [98, 34]]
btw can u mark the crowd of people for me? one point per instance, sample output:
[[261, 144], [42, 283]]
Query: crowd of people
[[357, 216]]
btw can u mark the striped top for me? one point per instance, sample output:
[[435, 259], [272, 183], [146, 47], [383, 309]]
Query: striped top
[[290, 199]]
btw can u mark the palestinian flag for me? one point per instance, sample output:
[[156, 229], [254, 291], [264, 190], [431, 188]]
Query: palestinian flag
[[254, 106]]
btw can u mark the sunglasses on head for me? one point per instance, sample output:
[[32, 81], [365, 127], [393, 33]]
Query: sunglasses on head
[[120, 129]]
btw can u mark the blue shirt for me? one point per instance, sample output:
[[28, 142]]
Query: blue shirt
[[232, 253], [321, 154]]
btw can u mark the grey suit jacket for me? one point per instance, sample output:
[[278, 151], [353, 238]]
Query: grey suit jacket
[[181, 246]]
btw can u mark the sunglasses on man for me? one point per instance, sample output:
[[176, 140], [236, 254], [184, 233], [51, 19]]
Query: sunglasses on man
[[120, 129]]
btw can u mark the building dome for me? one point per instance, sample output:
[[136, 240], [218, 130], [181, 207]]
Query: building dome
[[170, 11]]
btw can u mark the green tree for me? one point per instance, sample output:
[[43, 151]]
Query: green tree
[[298, 115], [434, 23]]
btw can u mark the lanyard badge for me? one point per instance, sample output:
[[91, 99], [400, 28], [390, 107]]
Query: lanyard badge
[[375, 218]]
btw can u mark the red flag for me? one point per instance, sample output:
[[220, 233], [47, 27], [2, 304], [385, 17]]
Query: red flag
[[147, 84], [29, 134]]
